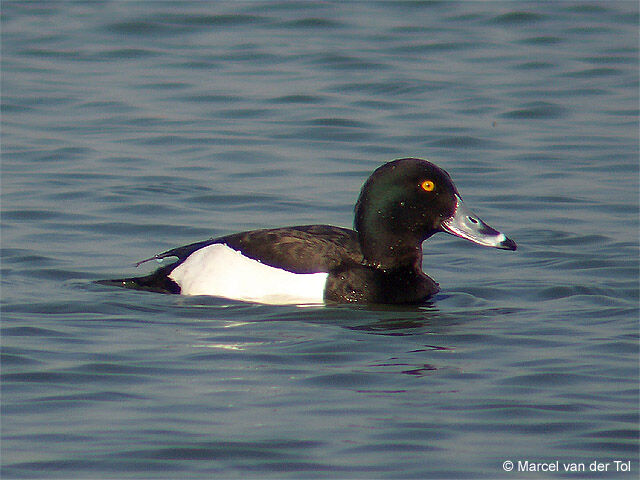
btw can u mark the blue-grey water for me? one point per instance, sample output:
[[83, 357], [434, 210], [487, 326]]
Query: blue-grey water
[[129, 128]]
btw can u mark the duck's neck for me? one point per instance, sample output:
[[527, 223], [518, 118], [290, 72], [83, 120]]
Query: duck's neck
[[389, 252]]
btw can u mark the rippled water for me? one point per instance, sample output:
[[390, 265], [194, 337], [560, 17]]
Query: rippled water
[[132, 127]]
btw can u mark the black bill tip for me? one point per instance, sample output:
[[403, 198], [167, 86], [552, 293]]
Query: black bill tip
[[507, 244]]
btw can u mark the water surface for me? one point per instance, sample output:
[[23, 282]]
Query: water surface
[[129, 128]]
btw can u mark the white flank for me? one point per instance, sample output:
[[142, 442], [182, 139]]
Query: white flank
[[220, 271]]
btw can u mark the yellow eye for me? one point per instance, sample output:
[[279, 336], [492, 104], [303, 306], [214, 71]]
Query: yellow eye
[[428, 186]]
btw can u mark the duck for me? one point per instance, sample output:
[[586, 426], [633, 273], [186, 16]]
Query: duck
[[379, 261]]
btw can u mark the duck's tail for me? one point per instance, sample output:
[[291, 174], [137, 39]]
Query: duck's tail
[[155, 282], [159, 280]]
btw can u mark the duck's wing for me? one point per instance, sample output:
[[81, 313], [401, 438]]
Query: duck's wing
[[301, 249]]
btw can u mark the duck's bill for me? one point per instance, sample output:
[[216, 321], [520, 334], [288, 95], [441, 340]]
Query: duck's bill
[[465, 224]]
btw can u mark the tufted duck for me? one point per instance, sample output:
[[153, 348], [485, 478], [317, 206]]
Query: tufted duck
[[402, 204]]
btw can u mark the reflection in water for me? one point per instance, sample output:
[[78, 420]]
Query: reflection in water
[[396, 326]]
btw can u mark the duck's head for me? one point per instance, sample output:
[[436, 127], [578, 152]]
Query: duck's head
[[406, 201]]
